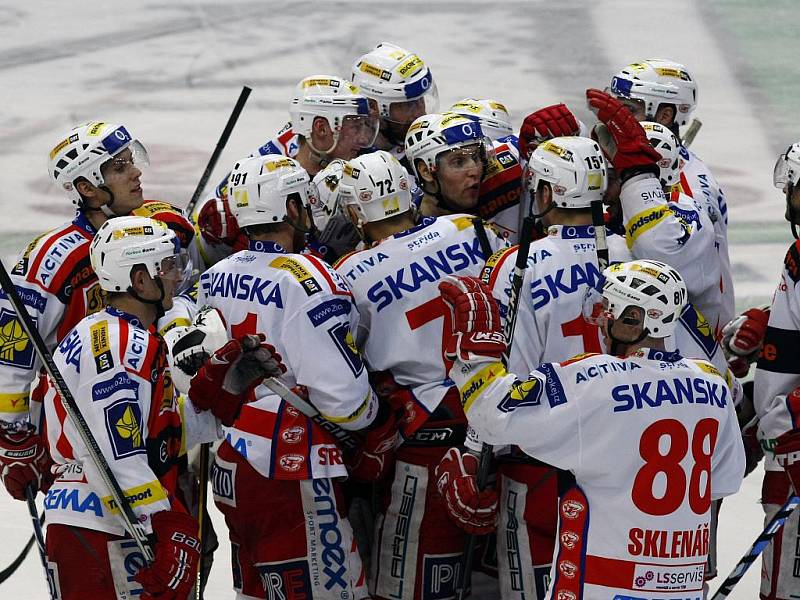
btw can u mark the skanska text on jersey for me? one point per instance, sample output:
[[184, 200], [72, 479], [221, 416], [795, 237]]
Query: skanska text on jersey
[[242, 286], [652, 394]]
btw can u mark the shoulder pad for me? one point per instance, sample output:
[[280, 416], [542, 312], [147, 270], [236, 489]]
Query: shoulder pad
[[578, 357], [342, 259], [461, 221], [792, 261], [706, 367]]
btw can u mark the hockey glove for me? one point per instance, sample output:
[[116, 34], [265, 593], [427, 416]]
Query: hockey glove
[[217, 223], [623, 139], [477, 329], [225, 382], [544, 124], [742, 339], [177, 552], [787, 453], [191, 346], [473, 511], [24, 461], [375, 458]]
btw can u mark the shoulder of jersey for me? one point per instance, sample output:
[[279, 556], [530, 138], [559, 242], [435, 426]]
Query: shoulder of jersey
[[309, 273], [283, 143], [706, 367], [344, 258], [53, 256], [461, 221], [578, 358], [791, 261], [494, 264]]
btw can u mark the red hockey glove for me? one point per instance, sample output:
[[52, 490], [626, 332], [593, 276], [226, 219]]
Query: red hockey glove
[[787, 453], [24, 461], [177, 552], [628, 146], [742, 339], [375, 458], [223, 384], [170, 216], [217, 223], [544, 124], [473, 511], [477, 329]]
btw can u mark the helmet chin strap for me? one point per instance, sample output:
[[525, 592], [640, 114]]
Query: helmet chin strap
[[106, 208], [159, 304], [618, 346], [791, 213]]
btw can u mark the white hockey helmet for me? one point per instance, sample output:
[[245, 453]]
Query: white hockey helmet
[[574, 167], [259, 187], [85, 149], [787, 168], [655, 82], [124, 242], [389, 74], [431, 135], [377, 186], [492, 115], [662, 139], [653, 286], [337, 101], [333, 227]]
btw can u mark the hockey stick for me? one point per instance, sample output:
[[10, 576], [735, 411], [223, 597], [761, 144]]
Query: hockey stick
[[762, 541], [600, 241], [12, 568], [129, 519], [342, 436], [202, 500], [485, 456], [30, 495], [223, 140], [691, 133]]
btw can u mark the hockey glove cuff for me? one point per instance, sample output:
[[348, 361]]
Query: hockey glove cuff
[[24, 461]]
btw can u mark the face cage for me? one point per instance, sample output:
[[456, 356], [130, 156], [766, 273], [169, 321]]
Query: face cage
[[139, 158], [365, 126], [484, 150], [426, 104]]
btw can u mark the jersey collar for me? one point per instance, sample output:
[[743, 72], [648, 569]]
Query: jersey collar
[[571, 232], [82, 222], [264, 246], [422, 225], [132, 319], [661, 355]]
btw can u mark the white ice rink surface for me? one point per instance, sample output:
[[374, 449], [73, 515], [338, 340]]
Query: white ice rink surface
[[171, 72]]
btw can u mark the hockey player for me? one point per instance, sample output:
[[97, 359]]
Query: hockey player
[[639, 529], [98, 165], [400, 88], [501, 191], [665, 92], [330, 119], [394, 287], [777, 398], [116, 370], [275, 475]]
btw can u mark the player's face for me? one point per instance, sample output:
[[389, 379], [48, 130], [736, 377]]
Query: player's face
[[626, 329], [459, 173], [402, 114], [794, 201], [123, 177], [356, 133]]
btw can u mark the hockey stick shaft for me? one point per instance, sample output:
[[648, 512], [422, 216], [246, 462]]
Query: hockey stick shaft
[[131, 523], [762, 541], [600, 241], [691, 133], [30, 498], [223, 140], [341, 435], [202, 500], [485, 457]]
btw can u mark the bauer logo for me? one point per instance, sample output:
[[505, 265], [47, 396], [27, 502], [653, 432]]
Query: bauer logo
[[123, 424]]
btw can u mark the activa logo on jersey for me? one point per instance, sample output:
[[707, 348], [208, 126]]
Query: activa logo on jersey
[[325, 522]]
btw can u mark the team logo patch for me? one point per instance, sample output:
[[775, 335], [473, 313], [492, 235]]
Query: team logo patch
[[15, 347], [523, 393], [95, 299], [569, 539], [343, 338], [291, 463], [123, 424], [571, 509], [566, 595], [568, 569], [293, 434]]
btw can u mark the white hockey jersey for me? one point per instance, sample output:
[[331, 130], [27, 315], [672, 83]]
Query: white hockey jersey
[[651, 440], [395, 287], [778, 368], [117, 372], [678, 233], [698, 182], [306, 311]]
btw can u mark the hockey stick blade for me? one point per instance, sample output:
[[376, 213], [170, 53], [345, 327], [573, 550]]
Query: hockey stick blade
[[762, 541], [691, 133], [12, 568]]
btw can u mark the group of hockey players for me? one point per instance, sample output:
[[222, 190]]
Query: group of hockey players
[[355, 280]]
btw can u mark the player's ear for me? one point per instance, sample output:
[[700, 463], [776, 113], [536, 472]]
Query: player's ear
[[425, 172], [665, 114], [139, 277]]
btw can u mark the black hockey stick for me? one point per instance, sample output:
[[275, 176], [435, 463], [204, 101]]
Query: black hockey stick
[[762, 541], [129, 519], [30, 498], [202, 501], [600, 241], [12, 568], [485, 456], [223, 140]]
